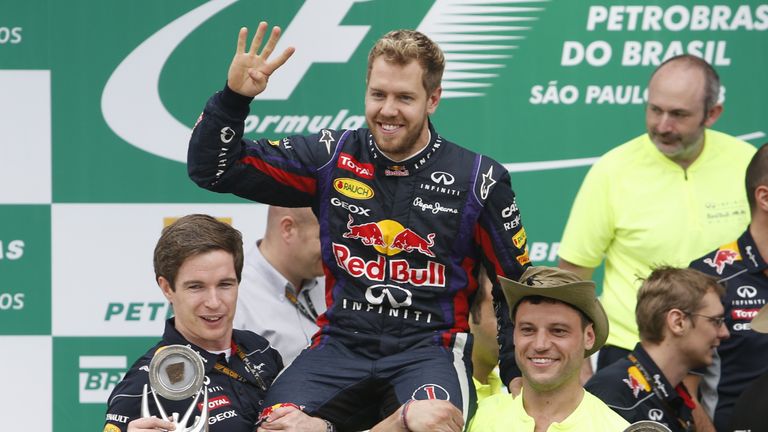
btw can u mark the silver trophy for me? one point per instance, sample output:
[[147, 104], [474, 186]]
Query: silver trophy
[[176, 372], [647, 426]]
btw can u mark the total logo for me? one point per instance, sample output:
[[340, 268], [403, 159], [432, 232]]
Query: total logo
[[743, 314], [389, 237], [349, 163], [216, 403], [98, 376]]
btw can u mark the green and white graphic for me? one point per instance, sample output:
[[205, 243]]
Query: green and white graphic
[[98, 100]]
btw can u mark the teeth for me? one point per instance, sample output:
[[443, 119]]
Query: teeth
[[211, 318], [388, 126], [541, 360]]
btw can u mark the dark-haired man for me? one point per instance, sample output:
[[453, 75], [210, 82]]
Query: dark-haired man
[[558, 322]]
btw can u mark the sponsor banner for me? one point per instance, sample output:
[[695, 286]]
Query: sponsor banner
[[85, 371], [103, 279], [25, 263], [26, 396], [25, 135]]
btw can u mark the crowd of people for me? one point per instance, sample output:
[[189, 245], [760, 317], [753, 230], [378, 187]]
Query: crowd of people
[[359, 310]]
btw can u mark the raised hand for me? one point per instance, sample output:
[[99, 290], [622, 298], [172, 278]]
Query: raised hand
[[250, 70]]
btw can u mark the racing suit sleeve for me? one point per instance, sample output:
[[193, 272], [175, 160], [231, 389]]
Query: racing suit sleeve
[[124, 403], [280, 172], [504, 247]]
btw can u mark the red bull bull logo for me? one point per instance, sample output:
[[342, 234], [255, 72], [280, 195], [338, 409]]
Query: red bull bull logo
[[368, 233], [266, 412], [721, 259], [389, 237]]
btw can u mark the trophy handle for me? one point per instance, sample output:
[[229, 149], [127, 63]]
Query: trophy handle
[[201, 421]]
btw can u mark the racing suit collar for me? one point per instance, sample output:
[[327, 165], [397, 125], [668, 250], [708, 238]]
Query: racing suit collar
[[413, 163], [171, 336]]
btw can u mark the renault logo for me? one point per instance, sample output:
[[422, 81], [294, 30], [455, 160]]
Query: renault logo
[[441, 177]]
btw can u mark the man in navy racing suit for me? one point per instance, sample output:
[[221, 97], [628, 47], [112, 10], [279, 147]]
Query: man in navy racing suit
[[407, 222]]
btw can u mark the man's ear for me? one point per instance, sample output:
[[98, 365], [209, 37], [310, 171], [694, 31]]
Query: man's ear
[[712, 115], [433, 100], [676, 322], [166, 288], [589, 337], [761, 197]]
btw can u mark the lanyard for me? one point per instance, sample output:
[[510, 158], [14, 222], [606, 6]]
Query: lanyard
[[253, 371], [685, 424], [310, 313]]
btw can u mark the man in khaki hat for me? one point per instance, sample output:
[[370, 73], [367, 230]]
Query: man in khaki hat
[[557, 323]]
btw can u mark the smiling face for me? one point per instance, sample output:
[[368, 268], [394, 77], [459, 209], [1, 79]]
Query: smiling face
[[204, 299], [704, 335], [397, 107], [550, 344]]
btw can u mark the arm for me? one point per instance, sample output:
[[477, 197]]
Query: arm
[[423, 416], [700, 418], [220, 159], [504, 246]]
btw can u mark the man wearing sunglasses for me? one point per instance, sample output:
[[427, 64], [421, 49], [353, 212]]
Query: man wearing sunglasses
[[680, 318]]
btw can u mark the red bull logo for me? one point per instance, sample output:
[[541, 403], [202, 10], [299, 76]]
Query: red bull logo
[[266, 412], [636, 381], [397, 270], [721, 259], [389, 237], [368, 233]]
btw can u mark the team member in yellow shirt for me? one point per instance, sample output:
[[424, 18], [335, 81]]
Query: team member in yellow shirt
[[558, 322], [666, 197]]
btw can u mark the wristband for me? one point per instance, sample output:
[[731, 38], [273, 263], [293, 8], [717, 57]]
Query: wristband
[[404, 413]]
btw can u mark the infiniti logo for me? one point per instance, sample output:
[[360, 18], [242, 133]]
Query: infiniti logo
[[746, 291], [441, 177], [655, 414]]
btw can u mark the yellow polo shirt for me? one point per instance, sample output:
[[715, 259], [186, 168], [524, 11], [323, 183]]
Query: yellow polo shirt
[[637, 209]]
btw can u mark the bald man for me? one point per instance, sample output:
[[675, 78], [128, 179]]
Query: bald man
[[282, 291]]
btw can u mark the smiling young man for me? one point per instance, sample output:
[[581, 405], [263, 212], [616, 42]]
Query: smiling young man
[[680, 319], [667, 196], [558, 322], [198, 263], [408, 220]]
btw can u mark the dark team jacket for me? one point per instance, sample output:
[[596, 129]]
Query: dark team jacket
[[749, 410], [638, 396], [233, 405], [741, 358], [402, 243]]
